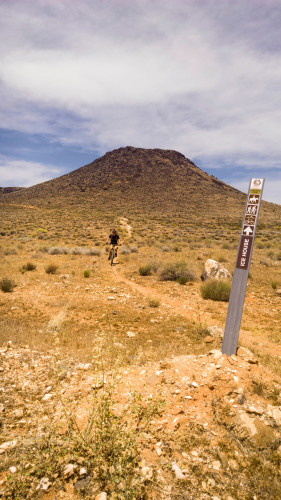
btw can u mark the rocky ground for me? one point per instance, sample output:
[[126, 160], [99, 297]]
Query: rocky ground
[[206, 426]]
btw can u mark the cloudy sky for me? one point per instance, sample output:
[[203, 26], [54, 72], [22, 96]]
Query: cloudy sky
[[202, 77]]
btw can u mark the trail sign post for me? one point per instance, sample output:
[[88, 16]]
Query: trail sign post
[[240, 276]]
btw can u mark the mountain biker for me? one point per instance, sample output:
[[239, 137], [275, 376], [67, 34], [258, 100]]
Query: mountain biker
[[114, 240]]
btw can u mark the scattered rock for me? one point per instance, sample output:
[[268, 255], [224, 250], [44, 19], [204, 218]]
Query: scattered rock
[[69, 470], [130, 334], [178, 472], [8, 445], [213, 269], [44, 484], [241, 399], [147, 472], [215, 331], [254, 428], [101, 496], [47, 397], [216, 465], [13, 469], [82, 484], [208, 339], [247, 355], [158, 448]]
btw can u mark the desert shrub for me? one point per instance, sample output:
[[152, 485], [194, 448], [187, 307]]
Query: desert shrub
[[176, 248], [86, 273], [216, 290], [145, 270], [278, 256], [7, 285], [274, 285], [10, 251], [176, 271], [94, 251], [51, 269], [154, 302], [44, 249], [58, 250], [134, 249], [28, 267], [124, 250]]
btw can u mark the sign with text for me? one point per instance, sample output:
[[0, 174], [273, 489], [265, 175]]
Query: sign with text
[[240, 276]]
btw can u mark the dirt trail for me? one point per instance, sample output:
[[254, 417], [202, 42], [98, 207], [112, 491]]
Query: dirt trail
[[191, 310]]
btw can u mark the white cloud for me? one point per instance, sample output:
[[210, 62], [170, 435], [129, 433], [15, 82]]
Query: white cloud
[[24, 173], [202, 77]]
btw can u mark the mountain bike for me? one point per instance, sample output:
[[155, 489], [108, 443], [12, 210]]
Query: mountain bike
[[113, 253]]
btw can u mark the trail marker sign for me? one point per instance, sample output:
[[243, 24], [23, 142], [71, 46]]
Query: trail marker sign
[[240, 276]]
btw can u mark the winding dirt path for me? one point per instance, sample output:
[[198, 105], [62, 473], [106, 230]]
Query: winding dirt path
[[189, 307]]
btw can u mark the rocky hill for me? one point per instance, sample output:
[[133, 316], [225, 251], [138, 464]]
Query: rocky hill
[[7, 190], [155, 180]]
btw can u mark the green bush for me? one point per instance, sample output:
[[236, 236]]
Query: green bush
[[177, 271], [28, 267], [216, 290], [274, 285], [145, 270], [7, 285], [51, 269], [86, 273]]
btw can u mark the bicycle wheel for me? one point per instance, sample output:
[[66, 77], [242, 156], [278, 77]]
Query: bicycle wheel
[[112, 255]]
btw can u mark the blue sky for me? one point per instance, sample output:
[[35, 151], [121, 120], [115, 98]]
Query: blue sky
[[202, 77]]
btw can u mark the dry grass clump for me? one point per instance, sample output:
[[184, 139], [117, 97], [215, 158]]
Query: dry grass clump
[[7, 285], [216, 290], [178, 271], [145, 270], [51, 269]]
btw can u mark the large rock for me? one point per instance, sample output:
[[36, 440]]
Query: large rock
[[213, 269]]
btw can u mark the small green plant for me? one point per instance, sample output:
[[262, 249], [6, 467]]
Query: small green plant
[[182, 280], [7, 285], [86, 273], [51, 269], [216, 290], [145, 270], [274, 285]]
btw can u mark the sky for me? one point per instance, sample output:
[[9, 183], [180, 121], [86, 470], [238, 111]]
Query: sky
[[80, 78]]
